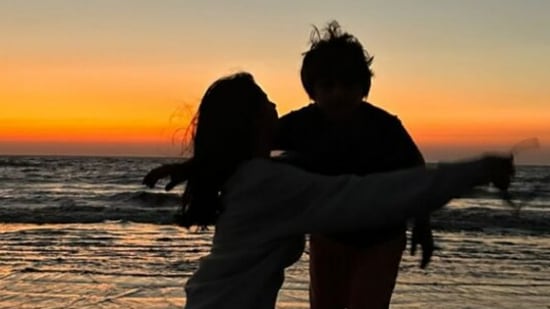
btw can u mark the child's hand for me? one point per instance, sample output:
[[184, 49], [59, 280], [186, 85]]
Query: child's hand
[[155, 174], [178, 173], [422, 235]]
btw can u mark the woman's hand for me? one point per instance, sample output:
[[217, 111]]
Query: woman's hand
[[500, 169]]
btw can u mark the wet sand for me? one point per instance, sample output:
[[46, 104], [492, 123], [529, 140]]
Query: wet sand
[[134, 265]]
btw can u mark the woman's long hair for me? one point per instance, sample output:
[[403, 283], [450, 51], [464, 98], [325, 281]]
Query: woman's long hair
[[224, 136]]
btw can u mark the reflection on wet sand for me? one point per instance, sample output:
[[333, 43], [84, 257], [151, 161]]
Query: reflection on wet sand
[[130, 265]]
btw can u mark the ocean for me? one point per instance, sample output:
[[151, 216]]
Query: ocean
[[73, 225]]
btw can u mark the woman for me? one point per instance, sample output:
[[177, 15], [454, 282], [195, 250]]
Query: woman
[[262, 208]]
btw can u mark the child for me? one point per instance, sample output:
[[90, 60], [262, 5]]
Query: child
[[339, 133]]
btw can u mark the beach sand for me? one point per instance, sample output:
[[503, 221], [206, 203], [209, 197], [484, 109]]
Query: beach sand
[[134, 265]]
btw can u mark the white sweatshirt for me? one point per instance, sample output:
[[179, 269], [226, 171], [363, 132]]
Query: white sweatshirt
[[270, 206]]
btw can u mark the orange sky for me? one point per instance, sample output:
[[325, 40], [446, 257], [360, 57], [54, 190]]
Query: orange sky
[[120, 79]]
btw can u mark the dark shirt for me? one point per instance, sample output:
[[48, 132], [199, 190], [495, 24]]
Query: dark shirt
[[375, 141]]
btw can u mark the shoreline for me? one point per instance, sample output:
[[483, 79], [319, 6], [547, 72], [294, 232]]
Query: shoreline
[[529, 221]]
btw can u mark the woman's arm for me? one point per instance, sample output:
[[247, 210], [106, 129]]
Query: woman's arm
[[380, 200], [267, 200]]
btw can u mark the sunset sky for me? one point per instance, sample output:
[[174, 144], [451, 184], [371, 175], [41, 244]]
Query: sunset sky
[[121, 77]]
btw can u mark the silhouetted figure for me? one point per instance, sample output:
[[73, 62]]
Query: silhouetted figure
[[262, 208], [339, 133]]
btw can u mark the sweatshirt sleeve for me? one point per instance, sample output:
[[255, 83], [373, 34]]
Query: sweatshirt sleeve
[[385, 199], [283, 200]]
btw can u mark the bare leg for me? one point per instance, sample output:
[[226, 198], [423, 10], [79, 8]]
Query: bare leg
[[329, 269], [374, 273]]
